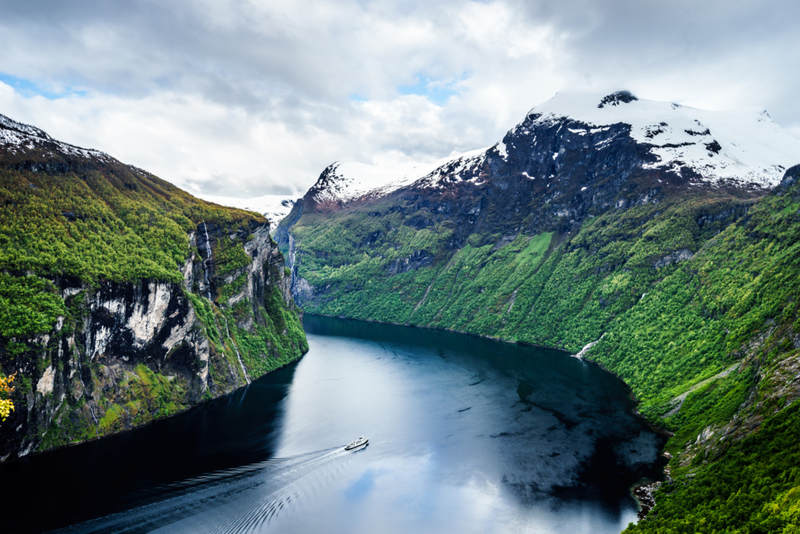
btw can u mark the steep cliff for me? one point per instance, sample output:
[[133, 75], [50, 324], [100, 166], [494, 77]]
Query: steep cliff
[[661, 240], [123, 298]]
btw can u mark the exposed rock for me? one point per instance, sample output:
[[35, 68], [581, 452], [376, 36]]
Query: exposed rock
[[126, 335], [674, 257], [420, 258], [615, 99], [129, 348]]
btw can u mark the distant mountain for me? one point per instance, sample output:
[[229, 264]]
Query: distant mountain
[[342, 182], [658, 240], [738, 148], [273, 207]]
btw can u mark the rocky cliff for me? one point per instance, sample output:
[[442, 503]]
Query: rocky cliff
[[125, 299]]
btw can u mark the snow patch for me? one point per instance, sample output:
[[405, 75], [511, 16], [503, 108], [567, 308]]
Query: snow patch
[[352, 180], [742, 146], [502, 150], [273, 207], [17, 137]]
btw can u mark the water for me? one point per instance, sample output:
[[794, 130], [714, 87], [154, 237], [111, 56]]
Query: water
[[466, 435]]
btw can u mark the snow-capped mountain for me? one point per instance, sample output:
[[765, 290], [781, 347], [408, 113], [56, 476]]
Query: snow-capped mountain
[[743, 146], [19, 139], [342, 182], [585, 136], [273, 207]]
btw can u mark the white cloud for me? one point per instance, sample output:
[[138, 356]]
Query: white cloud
[[247, 98]]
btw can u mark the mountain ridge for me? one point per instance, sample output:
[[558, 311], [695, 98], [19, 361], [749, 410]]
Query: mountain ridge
[[683, 286], [684, 144]]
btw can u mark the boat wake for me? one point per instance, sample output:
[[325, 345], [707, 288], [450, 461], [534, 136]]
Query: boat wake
[[240, 500]]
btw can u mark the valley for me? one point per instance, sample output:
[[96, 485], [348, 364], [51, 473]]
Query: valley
[[654, 240]]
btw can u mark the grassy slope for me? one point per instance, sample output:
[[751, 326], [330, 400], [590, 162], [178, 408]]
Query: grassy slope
[[110, 223], [562, 291], [666, 329], [737, 300], [125, 225], [114, 223]]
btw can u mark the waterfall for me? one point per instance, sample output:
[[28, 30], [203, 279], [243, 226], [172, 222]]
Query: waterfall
[[292, 260], [227, 331], [206, 267], [207, 262]]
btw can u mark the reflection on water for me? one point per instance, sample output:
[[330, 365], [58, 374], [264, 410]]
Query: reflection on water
[[466, 434]]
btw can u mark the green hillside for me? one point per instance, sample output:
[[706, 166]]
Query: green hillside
[[109, 314], [694, 301]]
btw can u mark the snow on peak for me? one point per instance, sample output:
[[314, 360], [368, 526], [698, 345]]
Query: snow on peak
[[273, 207], [16, 137], [741, 146], [346, 181]]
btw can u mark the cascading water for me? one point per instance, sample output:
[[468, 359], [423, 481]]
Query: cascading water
[[238, 356], [207, 262], [206, 268]]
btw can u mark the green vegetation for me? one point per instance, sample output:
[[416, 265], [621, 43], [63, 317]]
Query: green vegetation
[[277, 342], [234, 288], [754, 487], [229, 256], [66, 237], [546, 288], [680, 291], [28, 305], [264, 345], [116, 225]]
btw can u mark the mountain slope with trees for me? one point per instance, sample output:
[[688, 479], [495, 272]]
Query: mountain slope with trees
[[124, 299], [674, 269]]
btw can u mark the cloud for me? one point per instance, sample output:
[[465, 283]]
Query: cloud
[[247, 98]]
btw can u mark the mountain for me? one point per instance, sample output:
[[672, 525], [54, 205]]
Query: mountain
[[273, 207], [657, 240], [738, 148], [122, 298]]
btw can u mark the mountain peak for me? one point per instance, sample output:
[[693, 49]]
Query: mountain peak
[[615, 99], [741, 147], [21, 139]]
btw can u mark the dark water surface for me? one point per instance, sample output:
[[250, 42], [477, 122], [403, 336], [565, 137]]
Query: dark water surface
[[466, 435]]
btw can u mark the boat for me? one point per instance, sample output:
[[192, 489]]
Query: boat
[[360, 442]]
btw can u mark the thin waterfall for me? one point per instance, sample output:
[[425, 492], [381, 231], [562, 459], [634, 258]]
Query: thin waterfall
[[207, 262], [227, 331]]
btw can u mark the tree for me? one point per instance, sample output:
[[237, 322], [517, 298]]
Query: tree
[[6, 404]]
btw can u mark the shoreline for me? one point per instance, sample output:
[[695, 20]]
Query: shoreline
[[153, 421], [642, 493]]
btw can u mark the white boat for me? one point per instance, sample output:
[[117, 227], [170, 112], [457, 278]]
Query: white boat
[[360, 442]]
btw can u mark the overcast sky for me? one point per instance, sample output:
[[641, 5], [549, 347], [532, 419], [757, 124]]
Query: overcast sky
[[245, 98]]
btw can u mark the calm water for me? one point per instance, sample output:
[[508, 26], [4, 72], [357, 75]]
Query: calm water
[[466, 435]]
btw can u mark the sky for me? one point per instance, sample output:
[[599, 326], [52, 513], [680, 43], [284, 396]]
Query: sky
[[245, 98]]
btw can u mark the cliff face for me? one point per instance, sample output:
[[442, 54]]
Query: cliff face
[[125, 299]]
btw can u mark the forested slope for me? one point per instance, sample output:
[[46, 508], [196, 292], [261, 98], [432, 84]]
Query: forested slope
[[693, 298], [122, 298]]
